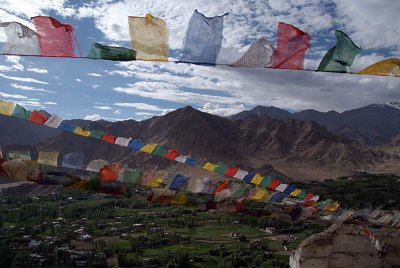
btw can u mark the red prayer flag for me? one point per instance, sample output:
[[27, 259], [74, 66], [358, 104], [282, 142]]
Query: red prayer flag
[[291, 46], [308, 197], [56, 39], [231, 171], [38, 117], [108, 138], [172, 154], [274, 183], [107, 174], [223, 185]]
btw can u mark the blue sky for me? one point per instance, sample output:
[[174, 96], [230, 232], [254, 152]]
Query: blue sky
[[94, 89]]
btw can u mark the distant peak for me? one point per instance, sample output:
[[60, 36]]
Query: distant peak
[[394, 104]]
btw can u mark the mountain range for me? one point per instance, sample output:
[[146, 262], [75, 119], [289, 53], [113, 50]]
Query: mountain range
[[374, 124], [266, 140]]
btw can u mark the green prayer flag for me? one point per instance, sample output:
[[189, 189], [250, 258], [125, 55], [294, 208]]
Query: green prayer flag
[[321, 205], [266, 181], [302, 194], [160, 150], [96, 134], [132, 176], [99, 51], [220, 168], [341, 56], [20, 112]]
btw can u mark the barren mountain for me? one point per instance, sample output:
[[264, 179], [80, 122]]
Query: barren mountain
[[374, 124], [297, 149]]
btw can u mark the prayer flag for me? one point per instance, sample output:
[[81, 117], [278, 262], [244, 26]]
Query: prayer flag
[[203, 39], [99, 51], [291, 47], [149, 38], [341, 56]]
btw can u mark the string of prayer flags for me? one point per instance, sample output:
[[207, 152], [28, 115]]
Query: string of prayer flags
[[258, 55], [340, 57], [291, 47], [56, 39], [149, 36], [203, 39], [387, 67], [99, 51]]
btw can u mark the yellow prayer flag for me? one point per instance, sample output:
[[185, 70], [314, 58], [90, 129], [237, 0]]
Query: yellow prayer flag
[[209, 166], [6, 107], [332, 207], [78, 185], [156, 182], [257, 179], [48, 158], [149, 148], [179, 199], [149, 38], [260, 194], [295, 192], [80, 131], [384, 67]]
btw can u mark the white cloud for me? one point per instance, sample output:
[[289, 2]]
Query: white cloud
[[12, 96], [28, 88], [37, 70], [50, 103], [373, 24], [140, 106], [30, 103], [78, 80], [23, 79], [117, 112], [94, 74], [103, 107], [30, 8], [93, 117], [222, 111], [95, 86]]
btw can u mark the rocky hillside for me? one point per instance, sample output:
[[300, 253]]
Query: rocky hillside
[[374, 124]]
